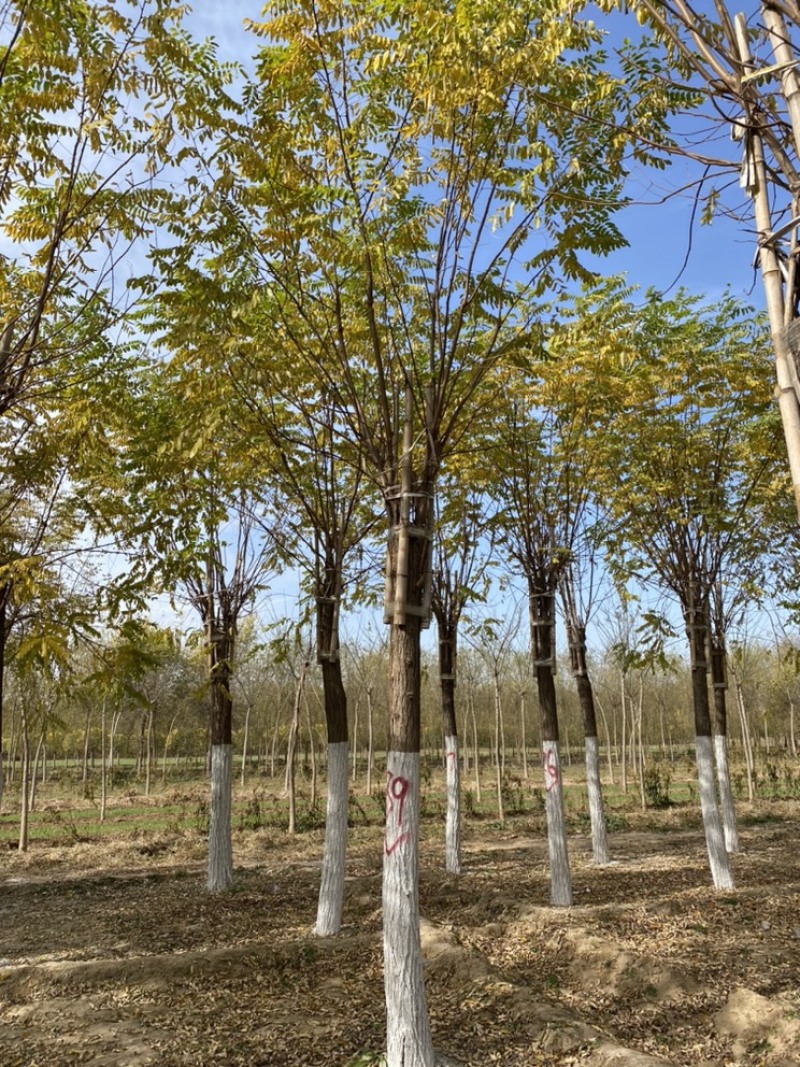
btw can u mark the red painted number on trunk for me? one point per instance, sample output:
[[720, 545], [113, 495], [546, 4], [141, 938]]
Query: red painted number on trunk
[[550, 770], [396, 792]]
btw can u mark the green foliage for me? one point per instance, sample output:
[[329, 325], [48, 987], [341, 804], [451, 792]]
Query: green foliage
[[656, 781]]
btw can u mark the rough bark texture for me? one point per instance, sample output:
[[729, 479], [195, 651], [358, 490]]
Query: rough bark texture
[[542, 625], [407, 604], [577, 639], [220, 848], [600, 850], [721, 748], [331, 892], [726, 794], [453, 821], [697, 631], [408, 1034], [715, 841], [560, 875]]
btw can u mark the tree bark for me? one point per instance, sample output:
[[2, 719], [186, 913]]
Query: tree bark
[[23, 797], [410, 518], [720, 733], [498, 731], [577, 640], [291, 749], [331, 893], [697, 632], [541, 601], [220, 844], [447, 679]]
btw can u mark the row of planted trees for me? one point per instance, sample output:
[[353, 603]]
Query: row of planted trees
[[360, 312], [152, 729]]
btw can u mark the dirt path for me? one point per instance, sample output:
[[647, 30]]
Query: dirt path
[[122, 959]]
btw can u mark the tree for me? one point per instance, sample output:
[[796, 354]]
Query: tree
[[194, 519], [77, 192], [458, 571], [688, 448], [747, 69], [406, 178], [538, 531]]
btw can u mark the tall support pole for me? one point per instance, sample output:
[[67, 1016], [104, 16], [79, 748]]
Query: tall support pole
[[787, 387]]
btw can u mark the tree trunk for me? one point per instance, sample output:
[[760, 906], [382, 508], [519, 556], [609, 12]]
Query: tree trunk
[[475, 743], [609, 749], [747, 743], [35, 772], [85, 769], [312, 748], [697, 632], [623, 770], [220, 844], [576, 634], [23, 797], [355, 740], [245, 741], [291, 750], [498, 730], [103, 762], [407, 603], [408, 1034], [541, 602], [370, 739], [720, 733], [331, 891], [523, 733], [447, 678], [149, 748], [639, 741]]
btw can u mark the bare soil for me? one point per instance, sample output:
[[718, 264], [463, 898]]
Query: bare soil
[[114, 955]]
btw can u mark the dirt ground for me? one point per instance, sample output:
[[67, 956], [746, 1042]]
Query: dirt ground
[[119, 958]]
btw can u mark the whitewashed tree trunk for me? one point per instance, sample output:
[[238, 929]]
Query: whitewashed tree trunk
[[23, 796], [560, 876], [370, 740], [103, 762], [600, 851], [35, 773], [726, 793], [408, 1032], [220, 846], [453, 820], [747, 743], [331, 894], [475, 747], [715, 841]]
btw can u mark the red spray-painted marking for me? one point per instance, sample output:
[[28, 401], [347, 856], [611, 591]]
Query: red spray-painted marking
[[451, 757], [550, 770], [397, 789]]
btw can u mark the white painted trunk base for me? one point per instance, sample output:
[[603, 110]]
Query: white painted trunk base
[[220, 847], [331, 890], [726, 794], [408, 1034], [600, 851], [453, 822], [560, 876], [715, 841]]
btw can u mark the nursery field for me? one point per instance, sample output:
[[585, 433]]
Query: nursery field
[[113, 955]]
